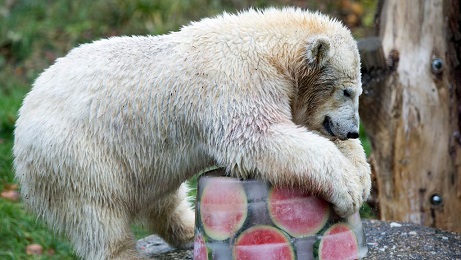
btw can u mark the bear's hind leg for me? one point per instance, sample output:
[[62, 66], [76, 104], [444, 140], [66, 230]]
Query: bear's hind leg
[[173, 219], [104, 234]]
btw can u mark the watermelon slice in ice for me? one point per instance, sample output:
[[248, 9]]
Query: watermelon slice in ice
[[339, 242], [263, 242], [298, 213], [200, 249], [223, 207]]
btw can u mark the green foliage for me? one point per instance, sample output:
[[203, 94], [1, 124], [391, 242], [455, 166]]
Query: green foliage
[[366, 211], [19, 228], [365, 141]]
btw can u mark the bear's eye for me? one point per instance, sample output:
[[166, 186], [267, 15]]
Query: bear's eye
[[347, 93]]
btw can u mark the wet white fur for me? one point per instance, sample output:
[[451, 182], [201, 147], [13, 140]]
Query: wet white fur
[[110, 132]]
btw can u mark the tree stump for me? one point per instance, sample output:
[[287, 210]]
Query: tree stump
[[411, 110]]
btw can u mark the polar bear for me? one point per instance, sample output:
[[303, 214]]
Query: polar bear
[[110, 132]]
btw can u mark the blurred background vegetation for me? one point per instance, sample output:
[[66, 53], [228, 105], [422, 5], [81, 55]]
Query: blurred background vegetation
[[33, 33]]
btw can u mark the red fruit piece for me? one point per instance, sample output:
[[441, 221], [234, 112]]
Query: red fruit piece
[[298, 213], [223, 207], [339, 243], [263, 242]]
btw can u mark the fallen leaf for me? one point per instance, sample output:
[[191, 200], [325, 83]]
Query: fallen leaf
[[34, 249], [12, 186], [10, 195]]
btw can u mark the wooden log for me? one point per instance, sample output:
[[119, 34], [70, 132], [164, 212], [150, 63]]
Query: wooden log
[[374, 71], [411, 111]]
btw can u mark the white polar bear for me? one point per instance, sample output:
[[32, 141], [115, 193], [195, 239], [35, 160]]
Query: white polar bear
[[111, 132]]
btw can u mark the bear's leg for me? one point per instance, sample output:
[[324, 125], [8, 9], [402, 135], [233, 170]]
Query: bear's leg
[[103, 234], [123, 246], [173, 219]]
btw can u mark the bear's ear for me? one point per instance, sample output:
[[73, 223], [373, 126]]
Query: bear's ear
[[318, 51]]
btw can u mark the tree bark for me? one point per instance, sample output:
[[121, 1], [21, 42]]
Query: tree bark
[[412, 112]]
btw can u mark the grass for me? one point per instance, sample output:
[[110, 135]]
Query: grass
[[19, 228], [33, 33]]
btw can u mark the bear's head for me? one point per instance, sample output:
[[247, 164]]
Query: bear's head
[[328, 86]]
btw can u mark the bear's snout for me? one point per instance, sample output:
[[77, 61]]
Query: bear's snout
[[352, 135], [341, 129]]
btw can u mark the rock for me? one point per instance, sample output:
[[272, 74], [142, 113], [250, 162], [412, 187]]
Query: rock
[[385, 240], [410, 241], [395, 224], [153, 244]]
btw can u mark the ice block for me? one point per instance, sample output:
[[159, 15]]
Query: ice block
[[250, 219]]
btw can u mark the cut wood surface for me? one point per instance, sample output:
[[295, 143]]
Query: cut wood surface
[[410, 109]]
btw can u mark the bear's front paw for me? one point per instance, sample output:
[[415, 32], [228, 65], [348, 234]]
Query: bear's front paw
[[354, 153], [349, 196]]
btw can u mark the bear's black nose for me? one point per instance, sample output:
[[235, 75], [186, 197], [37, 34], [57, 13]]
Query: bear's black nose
[[353, 135]]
